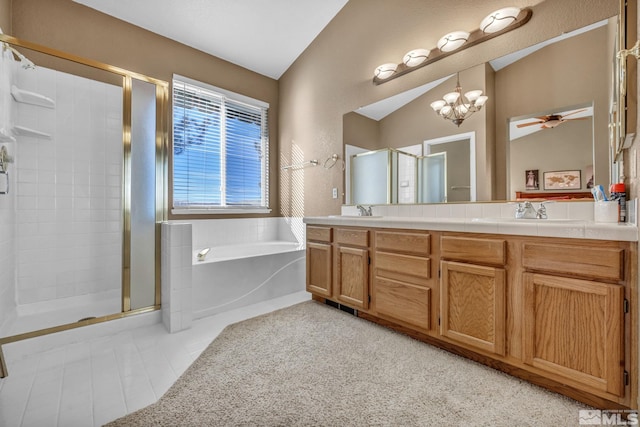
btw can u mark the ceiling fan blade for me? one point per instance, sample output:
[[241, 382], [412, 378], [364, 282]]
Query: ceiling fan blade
[[559, 122], [529, 124], [577, 118], [574, 112]]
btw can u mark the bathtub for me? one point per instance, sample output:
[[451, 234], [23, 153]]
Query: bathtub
[[250, 260], [237, 275], [246, 250]]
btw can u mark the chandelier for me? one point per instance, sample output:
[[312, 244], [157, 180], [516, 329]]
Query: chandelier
[[457, 107]]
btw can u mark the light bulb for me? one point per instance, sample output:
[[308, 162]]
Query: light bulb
[[415, 57], [472, 95], [385, 71], [481, 101], [499, 19], [453, 41], [437, 105], [451, 97]]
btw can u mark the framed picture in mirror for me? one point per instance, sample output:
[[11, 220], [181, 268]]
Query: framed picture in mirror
[[531, 180], [562, 180]]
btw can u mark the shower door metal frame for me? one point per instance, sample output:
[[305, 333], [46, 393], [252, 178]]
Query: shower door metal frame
[[161, 149]]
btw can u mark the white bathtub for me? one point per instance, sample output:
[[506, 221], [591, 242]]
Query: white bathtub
[[250, 260], [245, 250], [237, 275]]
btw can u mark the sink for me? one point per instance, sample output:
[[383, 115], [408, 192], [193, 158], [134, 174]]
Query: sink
[[531, 220]]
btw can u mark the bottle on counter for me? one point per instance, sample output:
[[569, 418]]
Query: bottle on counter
[[618, 193]]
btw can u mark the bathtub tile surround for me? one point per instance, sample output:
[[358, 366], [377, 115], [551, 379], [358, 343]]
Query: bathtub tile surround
[[176, 276], [251, 260]]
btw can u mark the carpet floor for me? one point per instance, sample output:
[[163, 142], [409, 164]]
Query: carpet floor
[[313, 365]]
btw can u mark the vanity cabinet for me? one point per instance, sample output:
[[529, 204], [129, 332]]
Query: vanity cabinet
[[473, 292], [319, 261], [557, 312], [402, 281], [352, 267], [574, 308]]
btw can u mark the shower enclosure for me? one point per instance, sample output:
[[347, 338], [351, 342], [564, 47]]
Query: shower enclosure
[[83, 193], [383, 176]]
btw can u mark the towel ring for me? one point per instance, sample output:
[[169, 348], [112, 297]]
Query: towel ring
[[333, 159]]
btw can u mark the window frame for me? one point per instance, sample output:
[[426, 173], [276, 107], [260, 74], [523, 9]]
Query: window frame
[[224, 209]]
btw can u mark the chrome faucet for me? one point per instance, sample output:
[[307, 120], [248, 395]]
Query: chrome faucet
[[527, 211], [364, 210]]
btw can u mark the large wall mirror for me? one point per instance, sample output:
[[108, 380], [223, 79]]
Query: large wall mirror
[[548, 113]]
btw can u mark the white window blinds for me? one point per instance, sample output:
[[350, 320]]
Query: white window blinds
[[220, 148]]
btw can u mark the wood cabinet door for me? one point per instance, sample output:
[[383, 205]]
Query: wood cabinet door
[[352, 276], [319, 269], [472, 305], [574, 329]]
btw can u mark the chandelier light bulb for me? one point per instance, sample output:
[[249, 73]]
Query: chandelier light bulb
[[451, 97], [385, 71], [438, 105], [472, 95], [415, 57], [499, 19], [481, 101], [456, 107], [453, 41]]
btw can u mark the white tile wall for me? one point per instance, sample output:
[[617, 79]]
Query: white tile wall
[[69, 218], [176, 296], [222, 232]]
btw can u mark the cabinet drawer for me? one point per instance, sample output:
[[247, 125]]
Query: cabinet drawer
[[319, 234], [590, 262], [347, 236], [403, 302], [408, 243], [405, 264], [489, 251]]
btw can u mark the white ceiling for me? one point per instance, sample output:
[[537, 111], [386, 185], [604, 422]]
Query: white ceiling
[[260, 35]]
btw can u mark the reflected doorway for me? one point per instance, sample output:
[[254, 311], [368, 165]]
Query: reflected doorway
[[460, 164]]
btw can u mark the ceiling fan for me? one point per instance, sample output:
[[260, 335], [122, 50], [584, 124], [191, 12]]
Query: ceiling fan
[[552, 120]]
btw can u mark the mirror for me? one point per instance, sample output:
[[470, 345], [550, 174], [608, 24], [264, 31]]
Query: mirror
[[550, 78]]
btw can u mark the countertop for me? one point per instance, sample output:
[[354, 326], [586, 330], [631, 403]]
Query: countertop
[[568, 228]]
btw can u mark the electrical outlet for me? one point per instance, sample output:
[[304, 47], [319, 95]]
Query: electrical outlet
[[335, 193]]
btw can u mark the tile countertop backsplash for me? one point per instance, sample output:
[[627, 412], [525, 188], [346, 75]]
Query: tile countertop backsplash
[[566, 219]]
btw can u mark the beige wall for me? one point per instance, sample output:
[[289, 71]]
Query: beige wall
[[74, 28], [326, 81]]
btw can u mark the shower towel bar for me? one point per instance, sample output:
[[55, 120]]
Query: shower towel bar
[[300, 165]]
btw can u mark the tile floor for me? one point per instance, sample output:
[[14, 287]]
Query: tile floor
[[95, 381]]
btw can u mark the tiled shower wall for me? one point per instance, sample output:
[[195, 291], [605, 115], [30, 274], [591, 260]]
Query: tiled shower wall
[[69, 188]]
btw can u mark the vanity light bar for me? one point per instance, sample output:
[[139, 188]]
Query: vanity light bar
[[420, 57]]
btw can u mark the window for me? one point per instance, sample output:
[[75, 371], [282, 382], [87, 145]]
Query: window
[[220, 150]]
